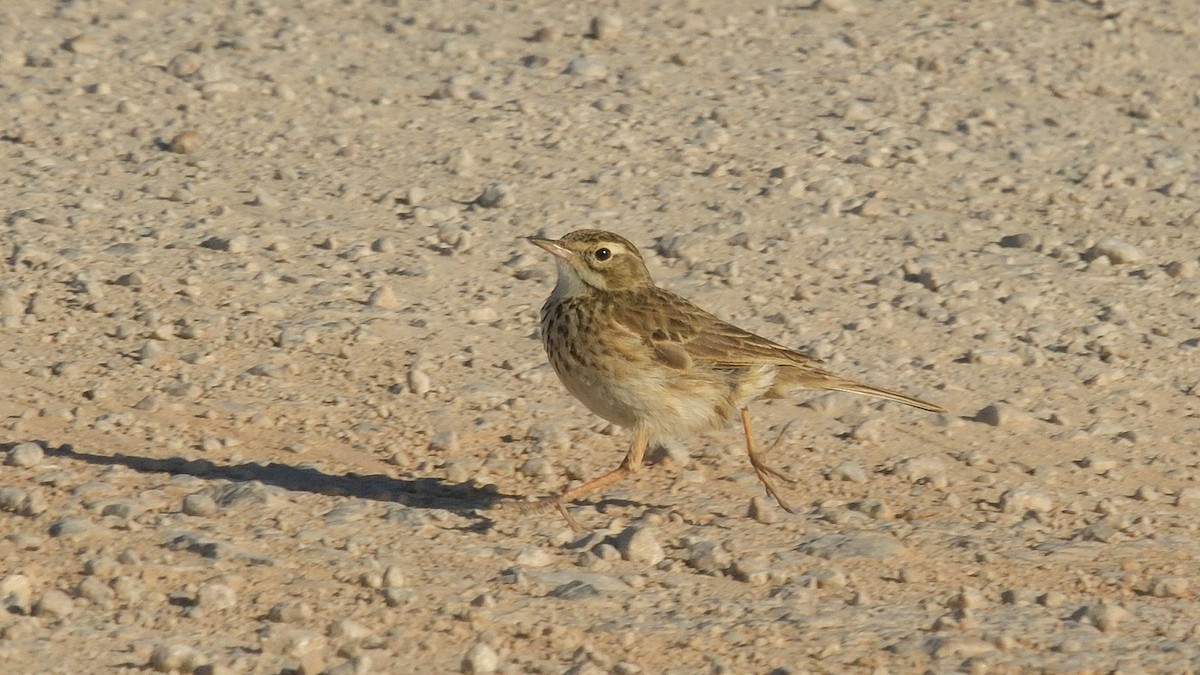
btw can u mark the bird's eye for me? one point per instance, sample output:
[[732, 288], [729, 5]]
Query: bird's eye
[[602, 254]]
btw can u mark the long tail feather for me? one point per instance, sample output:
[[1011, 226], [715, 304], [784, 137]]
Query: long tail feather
[[868, 390]]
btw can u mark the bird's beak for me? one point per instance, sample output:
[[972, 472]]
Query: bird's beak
[[552, 247]]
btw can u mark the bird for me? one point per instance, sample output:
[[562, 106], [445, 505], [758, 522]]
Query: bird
[[647, 360]]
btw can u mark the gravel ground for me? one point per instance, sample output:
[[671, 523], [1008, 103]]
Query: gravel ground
[[271, 375]]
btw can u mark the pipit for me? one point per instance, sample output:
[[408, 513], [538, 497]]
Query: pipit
[[647, 360]]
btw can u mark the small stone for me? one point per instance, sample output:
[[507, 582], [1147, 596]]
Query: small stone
[[1183, 269], [176, 658], [25, 455], [349, 629], [1187, 496], [1099, 463], [763, 510], [1146, 493], [1169, 587], [606, 27], [1023, 499], [393, 577], [482, 315], [250, 493], [216, 596], [71, 526], [709, 557], [918, 469], [54, 604], [95, 591], [967, 598], [186, 142], [1102, 531], [586, 69], [418, 381], [199, 504], [640, 544], [495, 195], [851, 472], [82, 44], [533, 556], [480, 659], [184, 65], [290, 612], [1003, 415], [1104, 616], [1021, 240], [16, 594], [225, 244], [1018, 596], [752, 570], [1117, 251], [383, 297]]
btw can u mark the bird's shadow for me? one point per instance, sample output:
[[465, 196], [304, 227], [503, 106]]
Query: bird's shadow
[[462, 499]]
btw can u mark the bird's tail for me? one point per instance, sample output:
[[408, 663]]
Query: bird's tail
[[853, 387]]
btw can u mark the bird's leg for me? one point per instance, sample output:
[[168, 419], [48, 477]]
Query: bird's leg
[[763, 471], [631, 463]]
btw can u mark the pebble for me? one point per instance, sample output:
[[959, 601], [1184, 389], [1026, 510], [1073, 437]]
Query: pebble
[[249, 493], [216, 596], [11, 303], [763, 510], [71, 526], [918, 469], [480, 659], [1003, 415], [1023, 499], [851, 472], [200, 504], [496, 195], [1187, 496], [1107, 617], [752, 570], [533, 556], [1099, 463], [185, 65], [640, 544], [587, 69], [95, 591], [82, 44], [418, 382], [186, 142], [236, 244], [1117, 252], [23, 502], [1183, 269], [383, 297], [394, 577], [1020, 240], [292, 611], [16, 593], [709, 557], [54, 604], [606, 27], [1169, 587], [176, 658], [25, 455]]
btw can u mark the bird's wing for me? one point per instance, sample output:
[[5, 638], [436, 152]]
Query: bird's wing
[[681, 334]]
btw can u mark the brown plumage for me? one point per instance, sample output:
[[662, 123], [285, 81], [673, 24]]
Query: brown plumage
[[646, 359]]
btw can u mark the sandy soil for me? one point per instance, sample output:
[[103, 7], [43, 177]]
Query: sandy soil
[[270, 367]]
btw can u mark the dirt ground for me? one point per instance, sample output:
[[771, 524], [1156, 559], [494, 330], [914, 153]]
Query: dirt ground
[[272, 382]]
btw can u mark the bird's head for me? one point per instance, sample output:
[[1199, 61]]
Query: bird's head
[[595, 260]]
